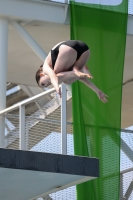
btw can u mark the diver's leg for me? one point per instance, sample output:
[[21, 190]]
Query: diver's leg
[[85, 70], [80, 65], [65, 60]]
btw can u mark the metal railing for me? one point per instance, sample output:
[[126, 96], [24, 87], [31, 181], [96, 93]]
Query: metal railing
[[24, 117]]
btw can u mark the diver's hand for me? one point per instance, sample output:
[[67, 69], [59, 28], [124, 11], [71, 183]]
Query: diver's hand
[[102, 96]]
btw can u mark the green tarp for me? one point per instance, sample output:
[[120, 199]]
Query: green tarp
[[103, 28]]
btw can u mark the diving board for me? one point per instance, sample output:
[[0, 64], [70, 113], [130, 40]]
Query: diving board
[[27, 175]]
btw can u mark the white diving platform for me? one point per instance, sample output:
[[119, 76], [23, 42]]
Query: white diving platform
[[26, 175]]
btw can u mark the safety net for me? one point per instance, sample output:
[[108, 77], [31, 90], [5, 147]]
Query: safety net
[[97, 125]]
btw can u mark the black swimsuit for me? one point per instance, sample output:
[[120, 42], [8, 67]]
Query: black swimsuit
[[79, 46]]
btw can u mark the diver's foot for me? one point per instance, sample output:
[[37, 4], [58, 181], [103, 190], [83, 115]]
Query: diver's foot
[[81, 74]]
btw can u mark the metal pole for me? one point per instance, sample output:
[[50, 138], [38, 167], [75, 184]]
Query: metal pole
[[129, 191], [63, 120], [3, 72], [29, 40], [127, 150], [121, 186], [22, 127], [126, 170]]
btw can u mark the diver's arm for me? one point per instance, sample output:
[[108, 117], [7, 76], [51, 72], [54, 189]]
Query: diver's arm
[[101, 95], [51, 74], [67, 77]]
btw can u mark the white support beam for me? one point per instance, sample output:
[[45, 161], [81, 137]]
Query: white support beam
[[29, 40], [3, 72], [42, 11], [33, 10]]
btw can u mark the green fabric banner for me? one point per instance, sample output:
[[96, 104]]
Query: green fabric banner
[[104, 29]]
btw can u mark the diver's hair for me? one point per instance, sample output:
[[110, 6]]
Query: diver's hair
[[38, 74]]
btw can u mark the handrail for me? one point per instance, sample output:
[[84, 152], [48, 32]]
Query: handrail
[[29, 100]]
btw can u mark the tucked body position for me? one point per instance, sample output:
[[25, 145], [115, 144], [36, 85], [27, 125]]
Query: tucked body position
[[66, 63]]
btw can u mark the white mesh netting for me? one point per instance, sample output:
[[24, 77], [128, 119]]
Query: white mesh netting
[[126, 164]]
